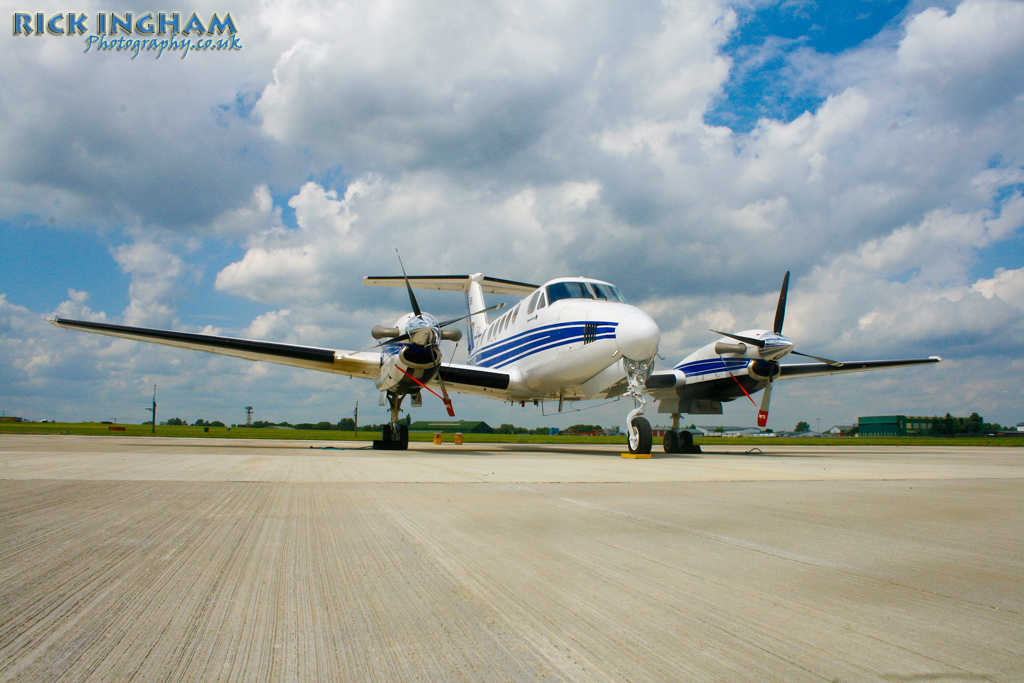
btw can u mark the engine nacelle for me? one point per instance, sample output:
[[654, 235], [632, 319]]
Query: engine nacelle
[[420, 362], [763, 370]]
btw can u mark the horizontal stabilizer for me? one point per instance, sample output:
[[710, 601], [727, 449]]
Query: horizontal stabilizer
[[452, 283]]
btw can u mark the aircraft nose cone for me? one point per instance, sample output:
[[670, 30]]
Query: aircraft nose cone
[[637, 336]]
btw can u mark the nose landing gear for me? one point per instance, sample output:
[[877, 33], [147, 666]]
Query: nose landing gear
[[639, 429]]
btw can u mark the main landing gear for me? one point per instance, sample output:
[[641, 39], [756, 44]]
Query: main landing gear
[[394, 436], [679, 441]]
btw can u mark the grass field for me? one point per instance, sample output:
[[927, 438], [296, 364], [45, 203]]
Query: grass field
[[98, 429]]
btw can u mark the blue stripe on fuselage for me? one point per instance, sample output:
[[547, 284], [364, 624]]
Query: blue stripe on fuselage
[[533, 341]]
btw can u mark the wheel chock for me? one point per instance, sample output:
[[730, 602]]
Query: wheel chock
[[637, 456]]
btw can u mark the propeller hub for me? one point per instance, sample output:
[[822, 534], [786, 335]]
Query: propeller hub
[[775, 346], [423, 330], [637, 336]]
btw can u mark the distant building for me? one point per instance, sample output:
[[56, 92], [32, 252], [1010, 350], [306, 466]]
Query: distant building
[[1020, 426], [840, 430], [451, 427], [896, 425], [11, 419]]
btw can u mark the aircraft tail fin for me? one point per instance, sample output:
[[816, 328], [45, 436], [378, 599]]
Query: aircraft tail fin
[[475, 307]]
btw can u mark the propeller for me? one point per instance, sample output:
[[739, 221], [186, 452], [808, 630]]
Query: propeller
[[780, 317], [391, 335], [771, 347], [424, 330]]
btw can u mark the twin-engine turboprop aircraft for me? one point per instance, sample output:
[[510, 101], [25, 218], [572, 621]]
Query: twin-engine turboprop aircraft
[[569, 339]]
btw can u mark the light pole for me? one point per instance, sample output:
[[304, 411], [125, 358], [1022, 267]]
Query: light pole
[[153, 409]]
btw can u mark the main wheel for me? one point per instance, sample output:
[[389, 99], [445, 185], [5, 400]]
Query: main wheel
[[685, 442], [640, 437], [671, 441]]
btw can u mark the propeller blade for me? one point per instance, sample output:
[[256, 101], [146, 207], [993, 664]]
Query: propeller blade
[[447, 401], [412, 297], [759, 343], [780, 310], [470, 315], [440, 378], [762, 414], [833, 363]]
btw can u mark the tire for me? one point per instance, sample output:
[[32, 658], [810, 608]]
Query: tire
[[392, 439], [640, 436], [685, 442], [671, 441], [395, 434]]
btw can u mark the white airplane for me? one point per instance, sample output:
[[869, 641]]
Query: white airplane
[[570, 339]]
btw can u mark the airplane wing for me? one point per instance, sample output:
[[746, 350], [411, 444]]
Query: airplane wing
[[819, 369], [359, 364], [465, 379], [702, 386]]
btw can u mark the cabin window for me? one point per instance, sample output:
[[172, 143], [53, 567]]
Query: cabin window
[[542, 302], [533, 302], [513, 314]]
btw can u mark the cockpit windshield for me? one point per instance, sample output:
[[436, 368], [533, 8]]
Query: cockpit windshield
[[583, 290], [609, 292]]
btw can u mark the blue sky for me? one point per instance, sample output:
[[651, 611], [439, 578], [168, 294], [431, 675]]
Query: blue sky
[[691, 152], [765, 80]]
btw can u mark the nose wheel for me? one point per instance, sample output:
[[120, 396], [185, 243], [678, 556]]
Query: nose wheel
[[640, 436]]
